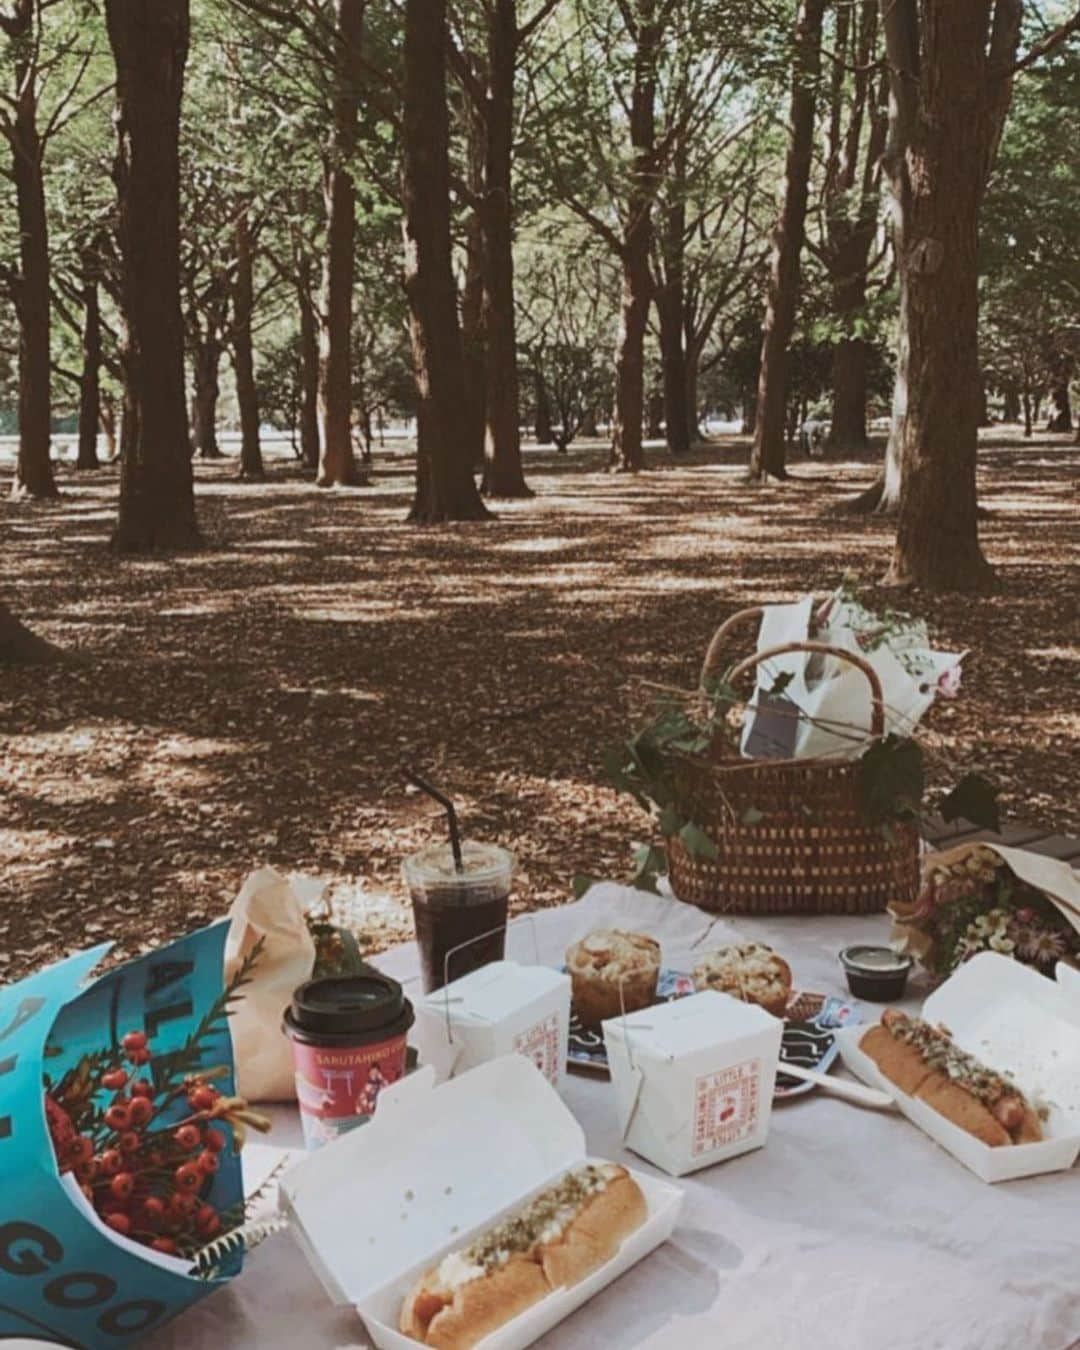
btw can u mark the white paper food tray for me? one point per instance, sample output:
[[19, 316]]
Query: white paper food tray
[[1017, 1022], [434, 1168]]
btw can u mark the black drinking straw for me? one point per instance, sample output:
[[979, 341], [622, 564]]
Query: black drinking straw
[[451, 814]]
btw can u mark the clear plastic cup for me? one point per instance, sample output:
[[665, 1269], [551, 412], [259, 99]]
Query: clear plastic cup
[[460, 914]]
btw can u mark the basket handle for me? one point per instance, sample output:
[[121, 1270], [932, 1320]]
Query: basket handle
[[877, 698]]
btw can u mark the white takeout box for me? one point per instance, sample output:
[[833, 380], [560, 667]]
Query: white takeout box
[[694, 1079], [1015, 1021], [501, 1009], [434, 1168]]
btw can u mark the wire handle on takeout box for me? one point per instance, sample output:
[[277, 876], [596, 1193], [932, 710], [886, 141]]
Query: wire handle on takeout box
[[482, 937]]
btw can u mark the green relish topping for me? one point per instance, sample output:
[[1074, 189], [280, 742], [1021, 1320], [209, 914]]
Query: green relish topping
[[542, 1219], [942, 1054]]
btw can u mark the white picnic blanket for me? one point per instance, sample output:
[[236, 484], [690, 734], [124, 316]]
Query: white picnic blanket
[[850, 1230]]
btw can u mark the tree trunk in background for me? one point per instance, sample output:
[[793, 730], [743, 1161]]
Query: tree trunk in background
[[654, 421], [627, 455], [680, 417], [503, 473], [692, 360], [948, 105], [445, 489], [1060, 408], [90, 378], [769, 455], [474, 411], [1011, 409], [543, 429], [847, 432], [205, 364], [33, 472], [20, 647], [337, 465], [108, 425], [309, 376], [149, 40], [247, 395], [749, 412], [588, 424]]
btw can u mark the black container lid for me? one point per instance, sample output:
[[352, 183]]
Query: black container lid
[[346, 1009]]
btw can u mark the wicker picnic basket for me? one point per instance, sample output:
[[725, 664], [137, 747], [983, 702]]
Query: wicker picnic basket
[[810, 850]]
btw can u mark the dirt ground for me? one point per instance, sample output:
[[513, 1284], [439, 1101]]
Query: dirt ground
[[257, 702]]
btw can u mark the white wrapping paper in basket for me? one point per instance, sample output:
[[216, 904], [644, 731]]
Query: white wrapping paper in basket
[[831, 697]]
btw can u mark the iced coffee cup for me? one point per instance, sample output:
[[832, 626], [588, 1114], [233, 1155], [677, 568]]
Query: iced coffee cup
[[348, 1040], [460, 911]]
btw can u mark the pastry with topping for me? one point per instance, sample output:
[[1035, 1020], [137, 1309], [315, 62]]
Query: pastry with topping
[[924, 1061], [612, 972], [553, 1241], [748, 971]]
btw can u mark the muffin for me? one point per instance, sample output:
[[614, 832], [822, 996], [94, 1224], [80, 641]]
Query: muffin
[[611, 971], [749, 971]]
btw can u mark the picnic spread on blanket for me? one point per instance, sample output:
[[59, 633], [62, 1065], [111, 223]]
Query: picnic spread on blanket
[[769, 1092]]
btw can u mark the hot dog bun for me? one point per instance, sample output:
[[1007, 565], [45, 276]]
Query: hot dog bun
[[556, 1240], [924, 1062]]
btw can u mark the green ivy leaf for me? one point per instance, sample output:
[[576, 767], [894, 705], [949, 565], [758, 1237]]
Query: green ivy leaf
[[891, 779], [974, 799], [671, 821], [696, 842], [752, 816], [650, 863], [582, 882]]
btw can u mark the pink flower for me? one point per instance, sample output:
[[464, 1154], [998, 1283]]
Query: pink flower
[[948, 682]]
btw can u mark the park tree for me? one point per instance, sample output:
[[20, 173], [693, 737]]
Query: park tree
[[445, 489], [768, 458], [149, 41], [856, 124], [43, 82]]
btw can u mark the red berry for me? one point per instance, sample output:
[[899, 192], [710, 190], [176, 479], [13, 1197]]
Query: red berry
[[182, 1205], [117, 1117], [215, 1141], [155, 1158], [188, 1177], [153, 1210], [86, 1171], [114, 1080], [122, 1185], [129, 1142], [139, 1056], [208, 1227], [134, 1040], [118, 1221], [202, 1099], [140, 1111], [164, 1244], [110, 1162], [141, 1088], [188, 1137], [207, 1162]]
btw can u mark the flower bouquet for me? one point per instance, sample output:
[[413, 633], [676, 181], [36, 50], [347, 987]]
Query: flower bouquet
[[984, 897]]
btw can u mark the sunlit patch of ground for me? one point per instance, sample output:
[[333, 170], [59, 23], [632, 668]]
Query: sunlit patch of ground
[[258, 701]]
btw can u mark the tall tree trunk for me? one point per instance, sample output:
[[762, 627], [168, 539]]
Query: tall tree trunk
[[692, 412], [90, 377], [948, 104], [247, 395], [108, 425], [671, 311], [445, 489], [542, 429], [627, 454], [654, 420], [503, 473], [205, 363], [20, 647], [149, 40], [769, 455], [847, 432], [1060, 408], [337, 465], [474, 411], [309, 375], [1011, 403], [33, 472], [589, 427]]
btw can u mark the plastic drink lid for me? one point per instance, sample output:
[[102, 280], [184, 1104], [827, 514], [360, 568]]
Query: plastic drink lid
[[481, 864]]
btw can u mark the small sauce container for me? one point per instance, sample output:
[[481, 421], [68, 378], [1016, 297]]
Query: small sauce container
[[877, 974]]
